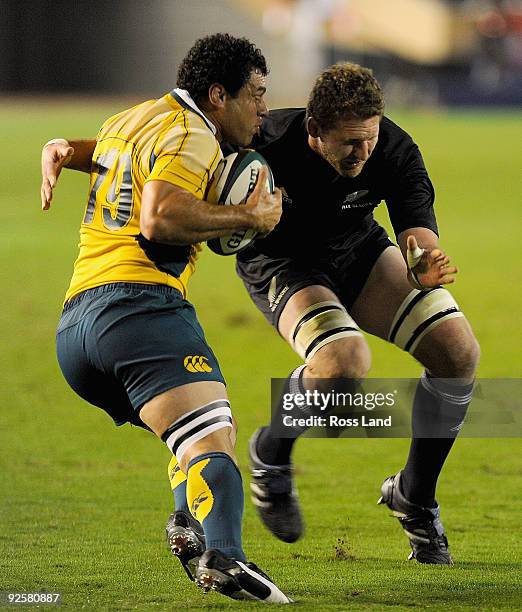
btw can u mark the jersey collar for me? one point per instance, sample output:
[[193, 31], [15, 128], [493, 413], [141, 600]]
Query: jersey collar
[[183, 98]]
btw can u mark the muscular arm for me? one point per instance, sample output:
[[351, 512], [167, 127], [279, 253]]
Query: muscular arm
[[81, 158], [170, 214]]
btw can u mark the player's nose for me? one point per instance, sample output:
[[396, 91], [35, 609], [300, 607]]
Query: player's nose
[[362, 150], [262, 109]]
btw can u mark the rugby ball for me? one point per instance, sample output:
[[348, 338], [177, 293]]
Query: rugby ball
[[232, 182]]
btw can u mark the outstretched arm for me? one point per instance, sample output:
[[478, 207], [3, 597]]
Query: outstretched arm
[[428, 265], [58, 154]]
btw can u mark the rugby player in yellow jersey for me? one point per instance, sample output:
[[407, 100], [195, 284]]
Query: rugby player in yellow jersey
[[128, 341]]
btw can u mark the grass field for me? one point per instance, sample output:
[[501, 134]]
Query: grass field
[[84, 505]]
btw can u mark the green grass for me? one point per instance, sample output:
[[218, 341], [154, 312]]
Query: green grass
[[84, 505]]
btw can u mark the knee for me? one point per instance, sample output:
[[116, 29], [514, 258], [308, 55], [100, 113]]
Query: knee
[[346, 358], [460, 359], [464, 358], [216, 442]]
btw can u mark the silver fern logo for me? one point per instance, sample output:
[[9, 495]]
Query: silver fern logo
[[350, 201], [275, 297]]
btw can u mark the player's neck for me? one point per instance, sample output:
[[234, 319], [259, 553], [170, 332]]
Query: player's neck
[[214, 119]]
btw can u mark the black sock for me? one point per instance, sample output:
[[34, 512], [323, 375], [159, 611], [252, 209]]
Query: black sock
[[271, 448], [275, 442], [425, 461], [439, 409]]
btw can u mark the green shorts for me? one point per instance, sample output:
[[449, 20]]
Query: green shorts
[[120, 345]]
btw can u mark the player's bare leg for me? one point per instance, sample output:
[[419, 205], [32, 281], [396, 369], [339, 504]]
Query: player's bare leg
[[312, 314], [194, 421], [450, 353]]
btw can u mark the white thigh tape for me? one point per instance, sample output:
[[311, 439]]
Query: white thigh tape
[[421, 312], [319, 325]]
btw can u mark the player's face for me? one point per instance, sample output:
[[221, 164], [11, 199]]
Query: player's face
[[244, 113], [348, 146]]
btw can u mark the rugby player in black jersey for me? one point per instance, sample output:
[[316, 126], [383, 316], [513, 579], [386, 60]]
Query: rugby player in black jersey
[[328, 270]]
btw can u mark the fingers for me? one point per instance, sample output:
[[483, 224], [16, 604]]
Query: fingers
[[411, 243], [46, 191], [46, 194], [442, 260], [439, 258], [447, 275], [54, 157], [51, 169], [260, 185], [261, 179], [414, 253], [448, 270], [446, 280]]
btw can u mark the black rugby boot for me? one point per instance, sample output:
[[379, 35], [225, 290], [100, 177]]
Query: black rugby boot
[[186, 540], [236, 579], [274, 495], [422, 525]]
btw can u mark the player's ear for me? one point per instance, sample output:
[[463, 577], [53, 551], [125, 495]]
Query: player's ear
[[313, 128], [217, 94]]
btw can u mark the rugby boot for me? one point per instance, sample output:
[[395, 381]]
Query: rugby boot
[[422, 525], [186, 540], [274, 495], [217, 572]]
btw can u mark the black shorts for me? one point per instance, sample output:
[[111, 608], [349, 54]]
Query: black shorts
[[271, 281], [120, 345]]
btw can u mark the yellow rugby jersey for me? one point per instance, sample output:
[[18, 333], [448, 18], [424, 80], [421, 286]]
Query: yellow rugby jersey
[[167, 139]]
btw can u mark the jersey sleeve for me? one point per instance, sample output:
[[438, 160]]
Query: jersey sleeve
[[187, 156], [411, 195]]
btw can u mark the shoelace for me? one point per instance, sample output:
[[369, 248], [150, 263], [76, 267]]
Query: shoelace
[[427, 526], [276, 482]]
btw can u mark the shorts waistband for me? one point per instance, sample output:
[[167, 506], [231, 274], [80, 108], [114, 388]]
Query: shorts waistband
[[96, 291]]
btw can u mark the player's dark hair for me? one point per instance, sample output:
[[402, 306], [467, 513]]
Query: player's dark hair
[[219, 58], [345, 90]]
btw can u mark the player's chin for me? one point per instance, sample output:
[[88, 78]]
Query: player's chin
[[247, 139], [245, 143], [352, 171]]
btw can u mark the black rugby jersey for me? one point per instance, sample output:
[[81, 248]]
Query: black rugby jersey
[[325, 214]]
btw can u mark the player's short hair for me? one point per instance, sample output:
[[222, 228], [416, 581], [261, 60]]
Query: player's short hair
[[345, 90], [219, 58]]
